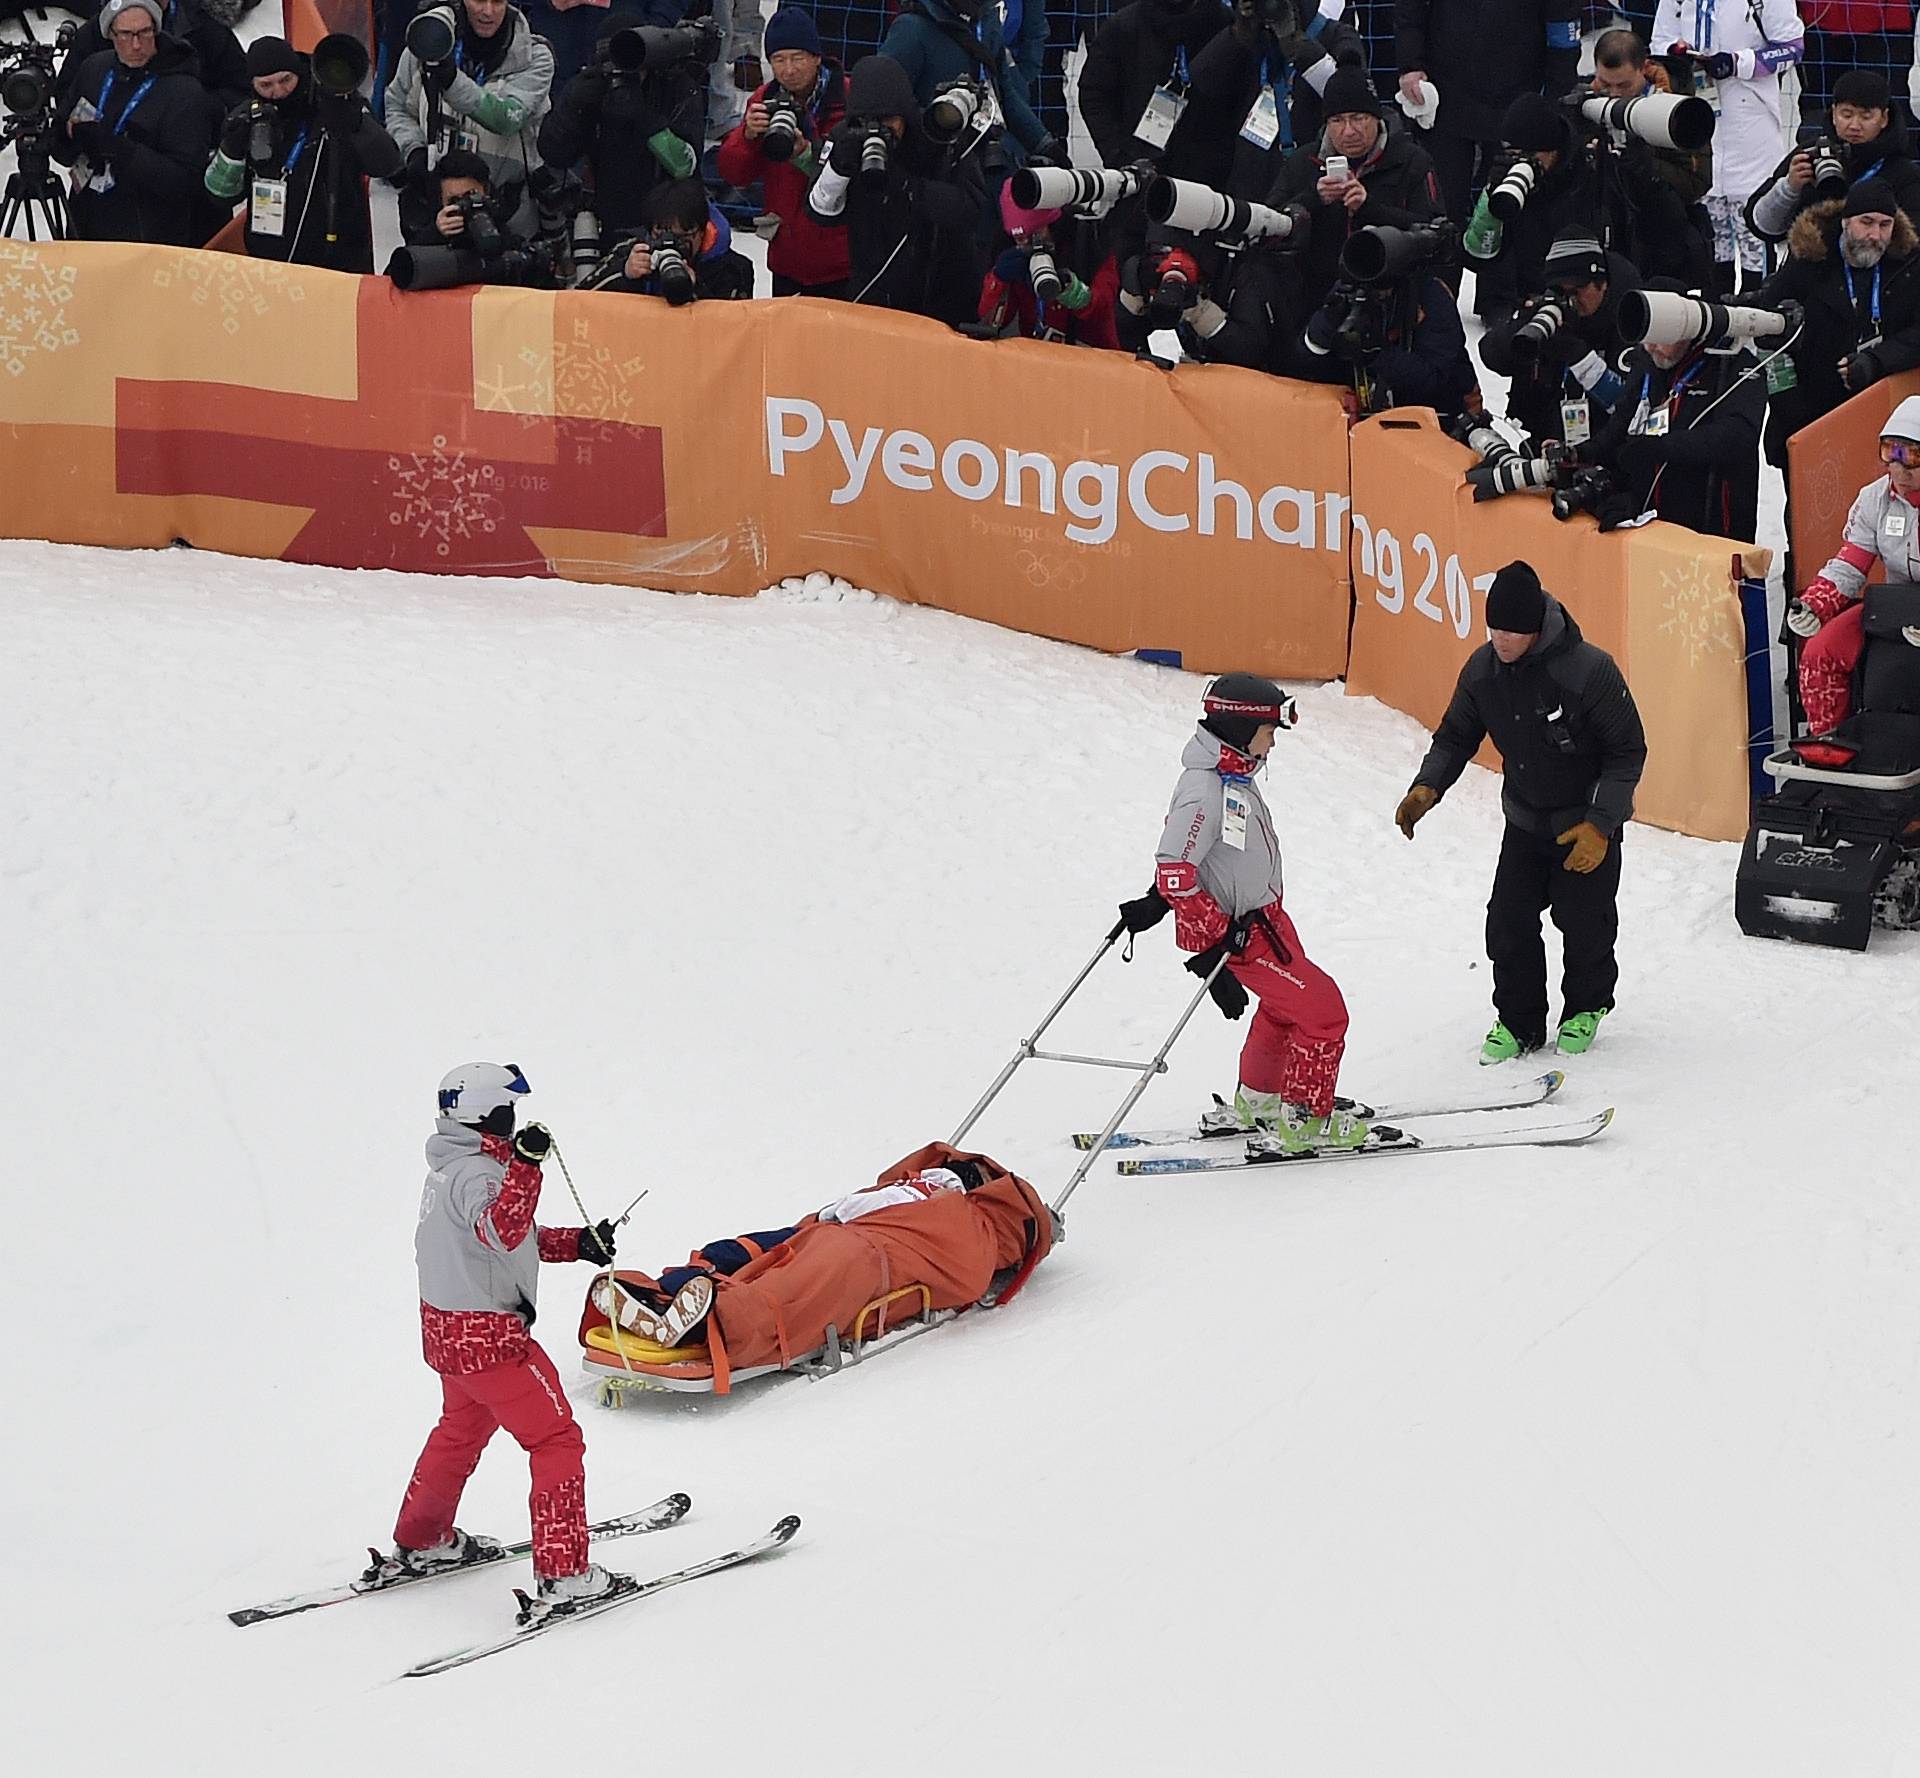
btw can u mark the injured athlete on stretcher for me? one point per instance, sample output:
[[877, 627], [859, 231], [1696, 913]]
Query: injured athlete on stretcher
[[952, 1228]]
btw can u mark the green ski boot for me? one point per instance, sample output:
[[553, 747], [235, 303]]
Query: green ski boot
[[1577, 1032], [1299, 1131], [1502, 1046]]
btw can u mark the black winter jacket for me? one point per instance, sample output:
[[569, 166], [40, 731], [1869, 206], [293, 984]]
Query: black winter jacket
[[157, 159], [1571, 745], [1402, 190], [1536, 386], [1704, 472], [1888, 156], [223, 63], [608, 123], [1134, 52], [1483, 54]]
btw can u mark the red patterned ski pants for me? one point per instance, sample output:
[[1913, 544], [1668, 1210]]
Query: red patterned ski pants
[[525, 1398], [1299, 1028], [1827, 660]]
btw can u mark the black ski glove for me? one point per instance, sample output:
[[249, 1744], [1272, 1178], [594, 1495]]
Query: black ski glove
[[596, 1243], [1145, 913], [533, 1142], [1225, 988]]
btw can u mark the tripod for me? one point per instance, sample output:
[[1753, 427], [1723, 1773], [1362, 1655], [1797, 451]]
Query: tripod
[[34, 191]]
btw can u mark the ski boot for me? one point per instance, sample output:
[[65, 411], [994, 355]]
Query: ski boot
[[1577, 1032], [1249, 1111], [1300, 1131], [670, 1325], [1502, 1045], [558, 1594], [458, 1549]]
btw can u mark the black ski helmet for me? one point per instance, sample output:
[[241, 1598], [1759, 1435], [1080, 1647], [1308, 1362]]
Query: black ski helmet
[[1236, 704]]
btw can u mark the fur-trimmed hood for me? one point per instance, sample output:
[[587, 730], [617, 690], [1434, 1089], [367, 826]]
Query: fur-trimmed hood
[[1817, 227]]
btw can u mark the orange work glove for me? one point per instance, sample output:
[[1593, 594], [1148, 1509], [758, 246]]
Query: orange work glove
[[1413, 805], [1589, 847]]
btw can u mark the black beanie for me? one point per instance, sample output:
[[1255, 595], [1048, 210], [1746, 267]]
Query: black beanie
[[1865, 88], [1875, 195], [271, 55], [1516, 601], [880, 87], [1533, 121], [1349, 89]]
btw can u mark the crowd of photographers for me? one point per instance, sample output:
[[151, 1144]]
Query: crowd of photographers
[[1666, 293]]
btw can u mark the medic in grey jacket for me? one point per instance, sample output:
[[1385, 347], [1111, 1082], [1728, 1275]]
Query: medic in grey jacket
[[478, 1248]]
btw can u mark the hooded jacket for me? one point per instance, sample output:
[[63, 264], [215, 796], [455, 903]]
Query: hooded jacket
[[1569, 736], [478, 1250], [1219, 854], [154, 140], [802, 249], [1140, 48], [1839, 321], [324, 146], [495, 108]]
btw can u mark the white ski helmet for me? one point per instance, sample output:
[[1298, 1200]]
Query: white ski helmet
[[469, 1093], [1904, 421]]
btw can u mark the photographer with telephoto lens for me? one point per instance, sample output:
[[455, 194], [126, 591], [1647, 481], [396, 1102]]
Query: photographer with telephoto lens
[[687, 252], [1548, 186], [466, 240], [474, 76], [943, 43], [1357, 175], [1866, 138], [1559, 350], [1854, 270], [297, 154], [1683, 441], [911, 208], [633, 118], [136, 131], [779, 143], [1053, 280]]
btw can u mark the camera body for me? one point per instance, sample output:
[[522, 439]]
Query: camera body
[[1581, 488], [27, 83], [1503, 469], [482, 232], [670, 269], [1829, 169], [1172, 288], [1537, 332], [786, 126], [953, 111], [1359, 315]]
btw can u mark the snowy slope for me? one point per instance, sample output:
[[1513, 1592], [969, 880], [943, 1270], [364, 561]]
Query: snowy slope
[[1600, 1461]]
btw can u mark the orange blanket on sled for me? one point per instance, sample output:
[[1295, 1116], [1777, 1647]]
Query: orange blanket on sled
[[778, 1309]]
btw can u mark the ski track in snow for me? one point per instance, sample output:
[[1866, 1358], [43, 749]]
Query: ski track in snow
[[1573, 1462]]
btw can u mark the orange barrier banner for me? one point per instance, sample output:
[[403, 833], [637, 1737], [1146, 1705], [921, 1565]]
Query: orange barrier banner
[[1662, 601], [1828, 463], [283, 411]]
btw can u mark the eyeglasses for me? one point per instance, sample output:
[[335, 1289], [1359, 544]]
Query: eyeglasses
[[131, 36], [1899, 450]]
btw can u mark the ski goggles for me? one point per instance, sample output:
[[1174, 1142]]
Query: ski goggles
[[1903, 451]]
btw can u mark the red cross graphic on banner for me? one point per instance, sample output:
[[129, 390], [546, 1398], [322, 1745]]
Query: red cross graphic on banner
[[408, 474]]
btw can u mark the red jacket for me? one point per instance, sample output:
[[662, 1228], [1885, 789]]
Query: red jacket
[[804, 250], [1001, 301]]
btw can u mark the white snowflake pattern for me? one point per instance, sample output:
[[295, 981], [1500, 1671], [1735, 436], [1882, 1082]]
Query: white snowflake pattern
[[1700, 612], [443, 496], [34, 293], [242, 289]]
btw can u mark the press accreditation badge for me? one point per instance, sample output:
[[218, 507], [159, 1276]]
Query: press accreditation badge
[[1235, 805], [1576, 421], [1658, 419], [1155, 127], [1262, 126], [1895, 524], [269, 215]]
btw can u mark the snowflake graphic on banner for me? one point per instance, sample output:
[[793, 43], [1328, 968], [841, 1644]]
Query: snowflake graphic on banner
[[33, 306], [241, 289], [443, 496], [582, 381], [1699, 612]]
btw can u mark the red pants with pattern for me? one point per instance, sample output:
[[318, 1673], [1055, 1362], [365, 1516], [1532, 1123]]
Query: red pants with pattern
[[525, 1398], [1827, 660], [1299, 1029]]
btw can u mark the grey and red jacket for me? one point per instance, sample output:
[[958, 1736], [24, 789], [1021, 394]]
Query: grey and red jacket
[[1883, 525], [1209, 881], [479, 1251]]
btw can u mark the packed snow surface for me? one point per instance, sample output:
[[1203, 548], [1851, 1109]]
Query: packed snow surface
[[1598, 1460]]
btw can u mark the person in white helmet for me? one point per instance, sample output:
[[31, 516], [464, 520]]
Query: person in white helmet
[[1883, 526], [479, 1253]]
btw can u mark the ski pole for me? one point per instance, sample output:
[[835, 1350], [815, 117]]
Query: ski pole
[[1158, 1065], [1027, 1050]]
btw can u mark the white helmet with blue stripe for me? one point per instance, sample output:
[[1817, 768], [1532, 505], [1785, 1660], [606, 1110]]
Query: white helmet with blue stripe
[[474, 1091]]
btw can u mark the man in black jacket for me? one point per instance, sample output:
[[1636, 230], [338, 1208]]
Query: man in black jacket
[[1571, 750], [912, 209], [306, 198], [222, 62], [1389, 181], [634, 132], [1509, 253], [137, 132], [1854, 269], [1137, 83], [1481, 55]]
